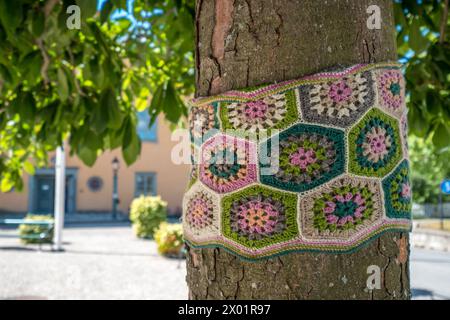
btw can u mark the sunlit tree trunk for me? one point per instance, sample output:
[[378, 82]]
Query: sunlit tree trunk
[[243, 43]]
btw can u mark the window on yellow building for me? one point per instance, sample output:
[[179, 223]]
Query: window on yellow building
[[145, 184]]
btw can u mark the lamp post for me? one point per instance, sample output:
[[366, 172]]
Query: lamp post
[[115, 165]]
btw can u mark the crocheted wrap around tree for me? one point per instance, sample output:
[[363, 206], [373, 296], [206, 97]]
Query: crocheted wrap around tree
[[342, 173]]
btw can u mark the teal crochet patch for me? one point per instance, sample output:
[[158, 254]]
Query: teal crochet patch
[[397, 192], [309, 156], [375, 147]]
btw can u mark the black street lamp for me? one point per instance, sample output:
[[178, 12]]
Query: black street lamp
[[115, 198]]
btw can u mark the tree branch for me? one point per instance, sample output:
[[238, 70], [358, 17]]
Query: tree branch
[[443, 23], [46, 59], [48, 7], [74, 72]]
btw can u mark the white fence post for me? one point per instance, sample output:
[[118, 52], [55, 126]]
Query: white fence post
[[60, 187]]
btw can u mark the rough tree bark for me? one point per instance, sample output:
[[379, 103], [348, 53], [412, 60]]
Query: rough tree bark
[[243, 43]]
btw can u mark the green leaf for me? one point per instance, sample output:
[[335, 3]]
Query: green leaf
[[99, 115], [418, 124], [433, 102], [98, 35], [441, 136], [24, 105], [88, 8], [6, 184], [171, 103], [106, 11], [29, 168], [115, 138], [5, 75], [131, 143], [63, 86], [93, 141], [416, 40], [11, 14], [30, 66], [156, 104], [38, 24], [109, 104], [87, 155]]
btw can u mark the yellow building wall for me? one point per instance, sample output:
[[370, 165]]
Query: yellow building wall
[[171, 179], [15, 201]]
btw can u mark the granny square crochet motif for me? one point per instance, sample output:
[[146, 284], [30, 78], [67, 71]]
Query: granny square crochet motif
[[342, 173]]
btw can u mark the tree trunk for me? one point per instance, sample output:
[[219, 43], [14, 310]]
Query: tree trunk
[[242, 43]]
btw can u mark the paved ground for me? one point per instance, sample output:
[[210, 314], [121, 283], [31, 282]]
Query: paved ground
[[110, 263], [99, 263], [430, 274]]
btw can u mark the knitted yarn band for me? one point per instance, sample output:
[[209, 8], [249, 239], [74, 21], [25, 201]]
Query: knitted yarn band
[[343, 172]]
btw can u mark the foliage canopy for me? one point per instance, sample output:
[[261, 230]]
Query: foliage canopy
[[87, 84]]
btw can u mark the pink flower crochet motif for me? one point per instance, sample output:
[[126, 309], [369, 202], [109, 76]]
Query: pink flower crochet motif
[[346, 208], [391, 88], [406, 190], [377, 144], [256, 217], [340, 91], [256, 109], [199, 211], [303, 158]]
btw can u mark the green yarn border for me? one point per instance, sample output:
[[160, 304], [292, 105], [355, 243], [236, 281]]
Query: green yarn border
[[391, 212], [335, 135], [290, 117], [357, 247], [353, 135], [289, 201]]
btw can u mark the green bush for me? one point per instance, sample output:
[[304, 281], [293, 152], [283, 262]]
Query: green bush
[[169, 239], [146, 214], [30, 233]]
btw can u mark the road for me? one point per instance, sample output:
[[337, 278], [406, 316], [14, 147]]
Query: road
[[430, 274], [110, 263]]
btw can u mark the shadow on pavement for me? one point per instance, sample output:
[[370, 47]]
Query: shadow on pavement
[[425, 294]]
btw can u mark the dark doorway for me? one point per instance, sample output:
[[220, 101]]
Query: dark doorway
[[42, 192], [45, 193]]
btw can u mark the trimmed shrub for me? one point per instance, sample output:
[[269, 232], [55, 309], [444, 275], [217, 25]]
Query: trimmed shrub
[[36, 234], [146, 214], [169, 239]]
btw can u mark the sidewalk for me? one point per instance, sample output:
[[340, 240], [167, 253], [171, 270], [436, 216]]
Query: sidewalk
[[99, 263], [423, 236]]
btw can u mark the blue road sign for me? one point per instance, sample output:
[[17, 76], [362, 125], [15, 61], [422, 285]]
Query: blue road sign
[[445, 186]]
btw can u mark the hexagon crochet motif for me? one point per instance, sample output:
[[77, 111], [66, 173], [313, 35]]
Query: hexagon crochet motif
[[375, 147], [227, 163], [391, 91], [397, 192], [258, 216], [203, 122], [308, 156], [201, 212], [341, 208], [275, 111], [340, 102]]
